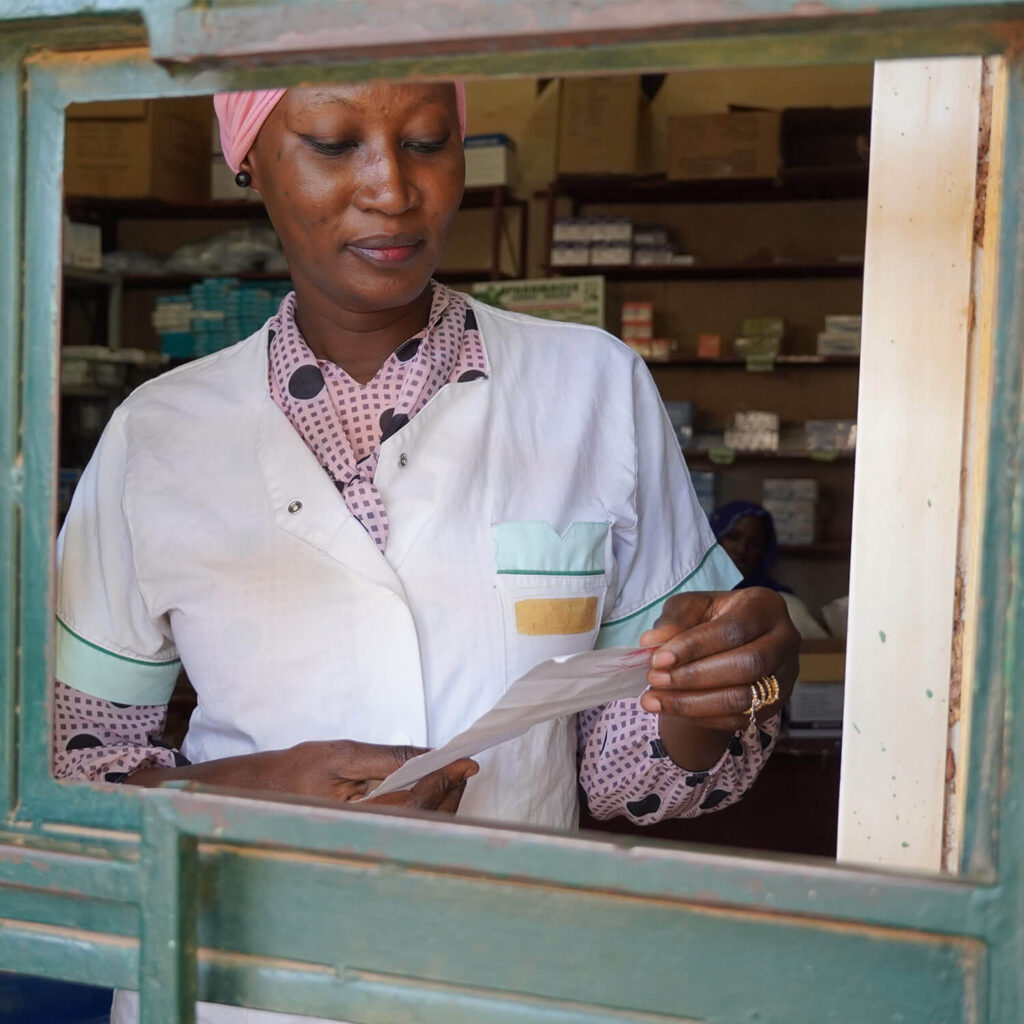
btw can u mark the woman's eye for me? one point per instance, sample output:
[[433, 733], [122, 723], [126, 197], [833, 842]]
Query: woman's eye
[[426, 145], [327, 147]]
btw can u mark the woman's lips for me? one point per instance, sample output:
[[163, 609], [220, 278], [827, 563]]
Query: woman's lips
[[387, 251]]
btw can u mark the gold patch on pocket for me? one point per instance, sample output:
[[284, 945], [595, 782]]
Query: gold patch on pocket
[[556, 616]]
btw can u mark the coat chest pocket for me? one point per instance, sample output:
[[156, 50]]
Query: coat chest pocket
[[551, 588]]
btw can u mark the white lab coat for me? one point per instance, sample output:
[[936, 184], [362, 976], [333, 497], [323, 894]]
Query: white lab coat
[[551, 492]]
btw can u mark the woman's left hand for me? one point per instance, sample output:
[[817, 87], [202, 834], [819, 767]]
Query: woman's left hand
[[711, 648]]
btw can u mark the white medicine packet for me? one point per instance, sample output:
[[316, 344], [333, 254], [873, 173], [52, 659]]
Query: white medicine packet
[[552, 689]]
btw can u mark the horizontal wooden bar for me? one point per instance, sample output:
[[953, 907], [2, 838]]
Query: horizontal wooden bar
[[92, 876], [600, 949], [69, 954], [623, 865]]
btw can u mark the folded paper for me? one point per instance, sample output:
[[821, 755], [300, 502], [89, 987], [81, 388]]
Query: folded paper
[[553, 689]]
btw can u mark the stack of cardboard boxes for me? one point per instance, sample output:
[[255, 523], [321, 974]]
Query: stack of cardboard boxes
[[139, 149], [793, 504]]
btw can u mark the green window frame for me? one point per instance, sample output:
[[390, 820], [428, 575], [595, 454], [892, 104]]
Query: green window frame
[[175, 891]]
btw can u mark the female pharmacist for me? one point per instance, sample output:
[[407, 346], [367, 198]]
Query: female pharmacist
[[355, 528]]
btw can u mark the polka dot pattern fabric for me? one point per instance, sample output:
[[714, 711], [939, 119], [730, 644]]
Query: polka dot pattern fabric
[[99, 741], [344, 422], [625, 769]]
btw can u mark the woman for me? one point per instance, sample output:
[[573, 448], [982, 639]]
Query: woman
[[747, 533], [359, 525]]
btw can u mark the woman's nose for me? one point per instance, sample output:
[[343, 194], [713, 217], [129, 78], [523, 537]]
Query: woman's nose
[[386, 187]]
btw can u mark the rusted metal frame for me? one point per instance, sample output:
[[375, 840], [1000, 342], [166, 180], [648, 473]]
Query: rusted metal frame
[[170, 907], [994, 812], [11, 470]]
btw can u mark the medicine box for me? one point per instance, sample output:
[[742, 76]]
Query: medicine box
[[490, 160], [83, 245]]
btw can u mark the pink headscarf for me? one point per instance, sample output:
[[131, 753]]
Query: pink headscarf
[[241, 115]]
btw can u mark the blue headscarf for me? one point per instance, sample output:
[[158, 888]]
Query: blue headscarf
[[725, 518]]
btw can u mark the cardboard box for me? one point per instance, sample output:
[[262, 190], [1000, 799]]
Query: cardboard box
[[576, 300], [818, 705], [599, 125], [490, 160], [744, 144], [709, 346], [83, 245], [822, 668], [140, 149], [822, 660]]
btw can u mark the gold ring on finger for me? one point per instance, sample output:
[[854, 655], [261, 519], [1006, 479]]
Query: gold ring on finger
[[755, 705]]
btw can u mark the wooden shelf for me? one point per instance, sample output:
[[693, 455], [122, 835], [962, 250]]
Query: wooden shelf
[[465, 276], [737, 362], [171, 280], [163, 281], [88, 207], [783, 455], [827, 745], [108, 211], [793, 185], [719, 272], [820, 549]]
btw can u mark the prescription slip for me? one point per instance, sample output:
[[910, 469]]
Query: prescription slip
[[552, 689]]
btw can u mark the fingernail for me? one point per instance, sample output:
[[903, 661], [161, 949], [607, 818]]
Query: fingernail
[[659, 678], [663, 659], [651, 704]]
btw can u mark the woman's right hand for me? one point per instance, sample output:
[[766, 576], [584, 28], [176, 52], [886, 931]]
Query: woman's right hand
[[334, 769], [345, 769]]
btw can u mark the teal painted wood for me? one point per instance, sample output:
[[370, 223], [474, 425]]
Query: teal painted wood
[[629, 866], [43, 204], [995, 777], [466, 879], [67, 915], [106, 917], [535, 38], [217, 31], [86, 876], [68, 954], [411, 928], [11, 475], [170, 905], [50, 87]]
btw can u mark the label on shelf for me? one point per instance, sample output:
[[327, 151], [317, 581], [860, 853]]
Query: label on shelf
[[760, 364]]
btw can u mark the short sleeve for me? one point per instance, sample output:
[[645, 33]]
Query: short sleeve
[[109, 645], [669, 547]]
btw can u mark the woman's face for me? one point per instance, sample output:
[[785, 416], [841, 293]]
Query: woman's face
[[361, 183], [746, 544]]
